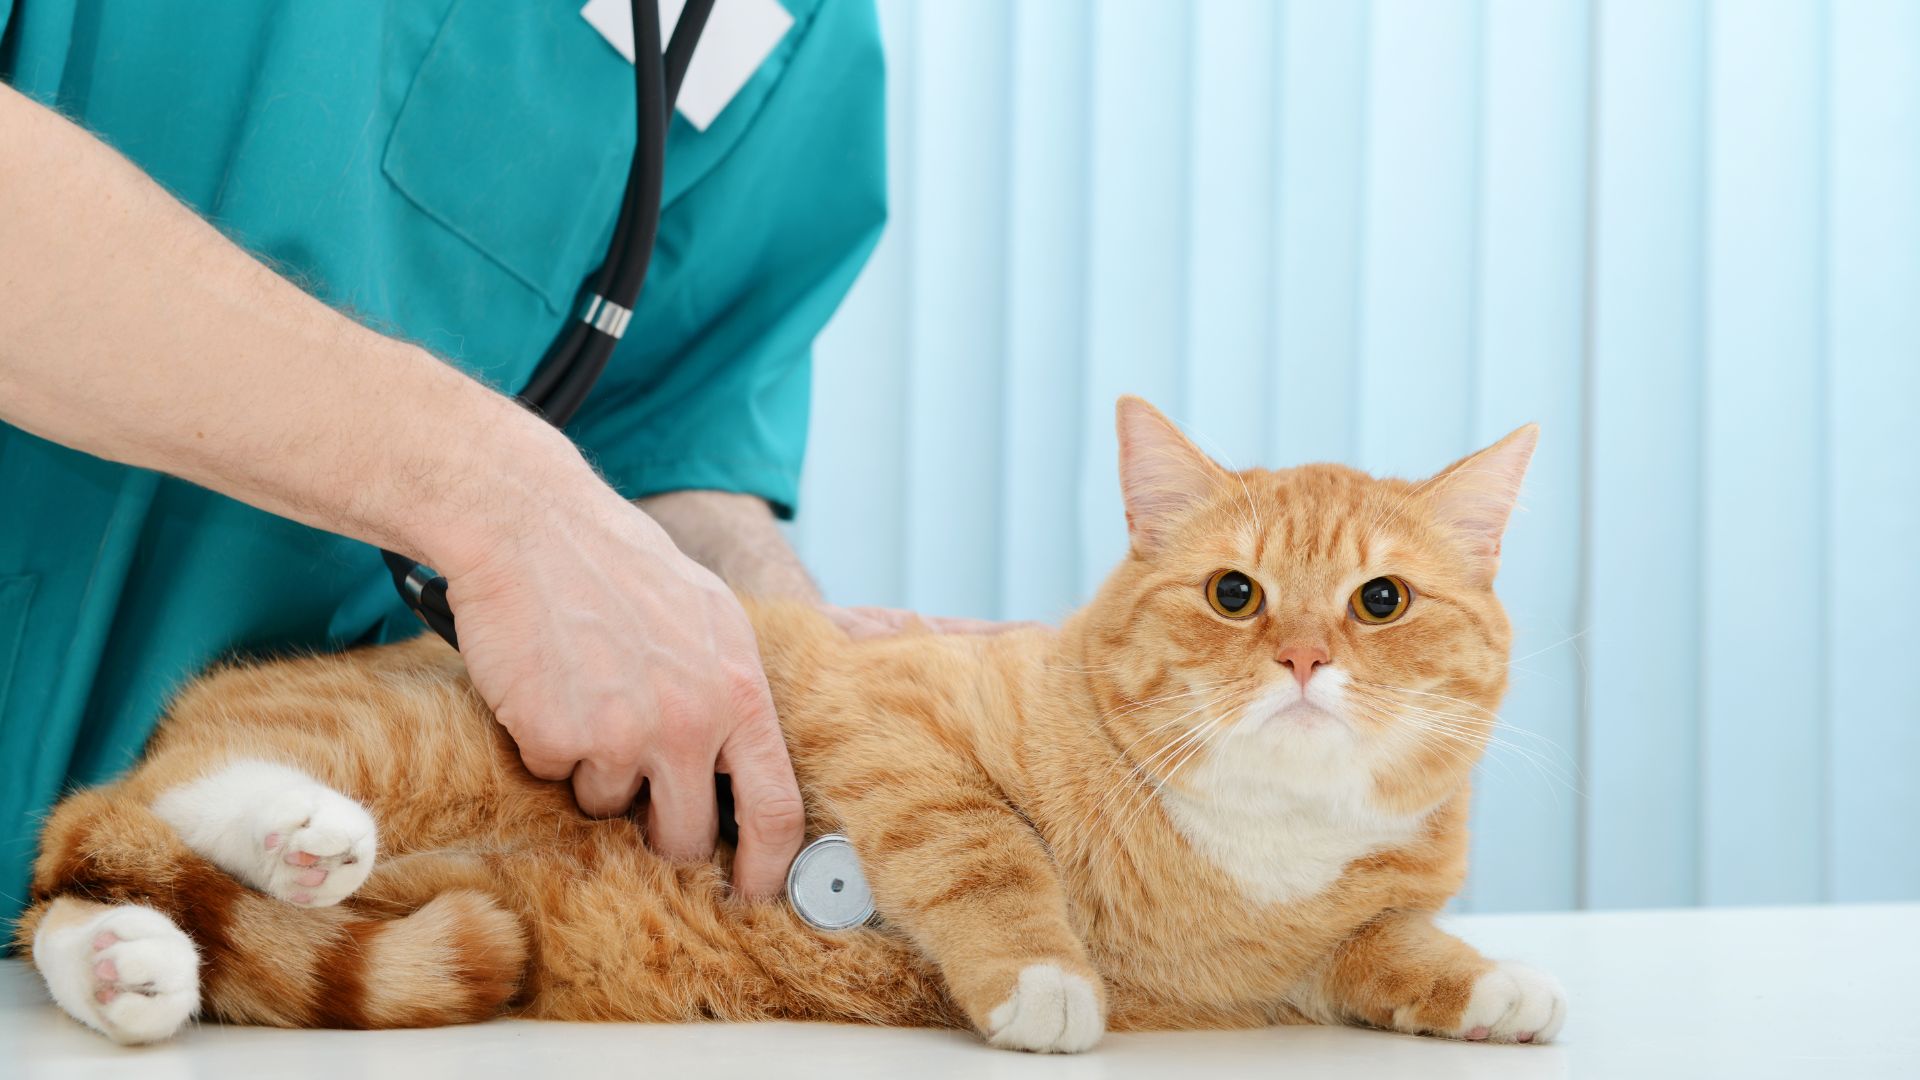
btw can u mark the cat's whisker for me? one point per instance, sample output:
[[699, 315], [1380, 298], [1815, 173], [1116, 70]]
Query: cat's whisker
[[1459, 747], [1575, 636], [1205, 736], [1126, 782], [1490, 717], [1135, 706], [1129, 785], [1253, 508], [1548, 768], [1464, 754], [1122, 785], [1434, 726], [1487, 738], [1493, 737], [1422, 693], [1535, 673], [1143, 793], [1382, 521], [1165, 724]]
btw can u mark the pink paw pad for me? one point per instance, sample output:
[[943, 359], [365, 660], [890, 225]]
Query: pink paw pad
[[105, 972], [1478, 1034], [317, 850], [1525, 1036]]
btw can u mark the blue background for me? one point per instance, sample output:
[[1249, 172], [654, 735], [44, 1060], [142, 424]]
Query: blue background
[[1684, 237]]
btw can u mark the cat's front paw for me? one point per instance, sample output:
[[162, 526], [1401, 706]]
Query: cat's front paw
[[128, 973], [1513, 1003], [316, 846], [1051, 1011]]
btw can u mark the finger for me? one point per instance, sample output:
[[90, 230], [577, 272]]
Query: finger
[[548, 766], [773, 820], [948, 624], [860, 627], [544, 749], [857, 623], [604, 790], [868, 622], [681, 819]]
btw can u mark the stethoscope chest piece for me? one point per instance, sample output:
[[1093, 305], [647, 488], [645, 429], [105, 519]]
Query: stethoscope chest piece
[[826, 888]]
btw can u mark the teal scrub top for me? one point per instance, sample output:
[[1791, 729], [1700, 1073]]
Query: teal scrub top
[[447, 171]]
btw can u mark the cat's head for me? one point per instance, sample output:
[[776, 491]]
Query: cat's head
[[1325, 633]]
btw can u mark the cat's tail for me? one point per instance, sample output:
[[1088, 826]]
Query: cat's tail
[[458, 956]]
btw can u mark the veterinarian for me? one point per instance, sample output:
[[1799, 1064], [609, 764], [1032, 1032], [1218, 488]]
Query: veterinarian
[[265, 271]]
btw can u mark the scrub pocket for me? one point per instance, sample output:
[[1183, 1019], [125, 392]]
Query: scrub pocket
[[16, 595], [516, 135]]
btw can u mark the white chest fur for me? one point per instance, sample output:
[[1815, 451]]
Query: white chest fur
[[1281, 842]]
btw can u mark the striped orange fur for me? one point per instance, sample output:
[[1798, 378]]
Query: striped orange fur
[[1037, 797]]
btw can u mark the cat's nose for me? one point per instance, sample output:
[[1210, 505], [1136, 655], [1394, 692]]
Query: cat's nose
[[1303, 661]]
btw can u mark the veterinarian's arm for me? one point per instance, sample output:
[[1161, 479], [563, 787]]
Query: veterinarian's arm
[[736, 537], [132, 330]]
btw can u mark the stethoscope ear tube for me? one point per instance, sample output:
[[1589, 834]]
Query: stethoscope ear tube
[[580, 353]]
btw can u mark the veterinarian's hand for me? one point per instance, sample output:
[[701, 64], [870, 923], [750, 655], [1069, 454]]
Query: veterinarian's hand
[[612, 658], [868, 622]]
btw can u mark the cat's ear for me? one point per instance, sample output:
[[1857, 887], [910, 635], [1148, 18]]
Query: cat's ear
[[1474, 496], [1162, 474]]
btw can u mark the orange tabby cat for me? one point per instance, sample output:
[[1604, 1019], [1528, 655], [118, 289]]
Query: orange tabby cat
[[1230, 792]]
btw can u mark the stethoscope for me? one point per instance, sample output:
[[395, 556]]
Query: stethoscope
[[579, 354], [824, 883]]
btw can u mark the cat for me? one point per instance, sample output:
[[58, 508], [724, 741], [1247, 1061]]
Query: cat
[[1231, 791]]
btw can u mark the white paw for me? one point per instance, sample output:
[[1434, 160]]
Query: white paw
[[277, 829], [128, 973], [316, 846], [1513, 1003], [1051, 1012]]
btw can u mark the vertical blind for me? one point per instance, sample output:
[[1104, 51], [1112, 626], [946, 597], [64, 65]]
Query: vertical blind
[[1682, 236]]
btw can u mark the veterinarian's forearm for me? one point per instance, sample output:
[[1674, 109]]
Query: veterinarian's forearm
[[132, 330], [736, 537]]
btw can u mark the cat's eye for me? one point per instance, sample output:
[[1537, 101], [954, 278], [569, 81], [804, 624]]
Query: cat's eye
[[1234, 594], [1381, 600]]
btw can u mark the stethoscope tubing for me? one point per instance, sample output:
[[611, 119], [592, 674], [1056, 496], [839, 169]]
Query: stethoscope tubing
[[579, 354]]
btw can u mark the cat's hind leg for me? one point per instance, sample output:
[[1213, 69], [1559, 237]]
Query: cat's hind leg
[[274, 828], [447, 952], [122, 969]]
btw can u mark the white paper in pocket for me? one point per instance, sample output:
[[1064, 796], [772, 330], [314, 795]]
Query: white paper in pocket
[[738, 36]]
